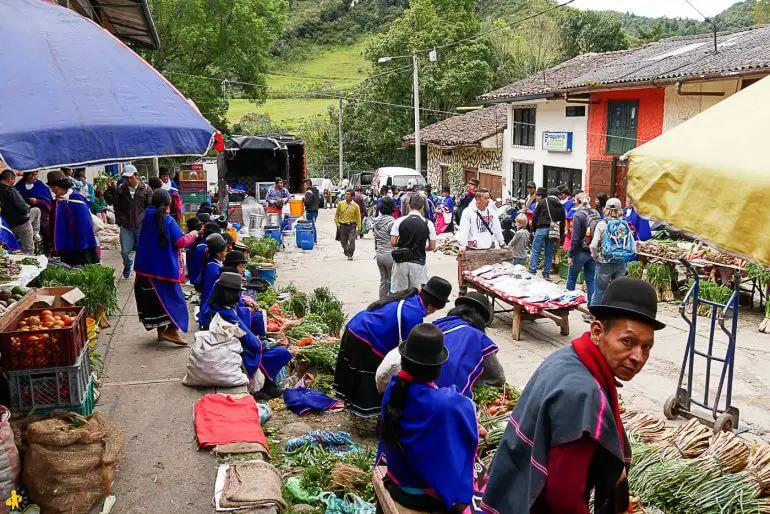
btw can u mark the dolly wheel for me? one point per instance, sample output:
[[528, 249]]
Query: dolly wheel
[[671, 407], [724, 423]]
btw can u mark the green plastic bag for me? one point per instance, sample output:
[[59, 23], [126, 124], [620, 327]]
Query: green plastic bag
[[294, 488], [349, 504]]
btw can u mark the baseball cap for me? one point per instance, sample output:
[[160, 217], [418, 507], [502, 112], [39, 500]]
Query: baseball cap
[[129, 170], [614, 203]]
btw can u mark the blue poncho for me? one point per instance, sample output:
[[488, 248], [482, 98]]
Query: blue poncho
[[254, 355], [379, 328], [206, 281], [7, 237], [467, 347], [73, 229], [195, 256], [438, 444], [152, 259]]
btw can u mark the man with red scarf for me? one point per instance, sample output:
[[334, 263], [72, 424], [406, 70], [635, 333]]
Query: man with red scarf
[[565, 438]]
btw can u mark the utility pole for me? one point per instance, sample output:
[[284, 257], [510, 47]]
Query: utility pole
[[339, 121], [416, 86]]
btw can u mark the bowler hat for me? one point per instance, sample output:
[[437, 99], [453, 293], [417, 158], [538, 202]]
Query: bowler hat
[[56, 177], [629, 298], [240, 247], [439, 289], [215, 243], [424, 346], [211, 227], [532, 185], [194, 224], [234, 258], [205, 217], [554, 191], [479, 302], [230, 281], [541, 191]]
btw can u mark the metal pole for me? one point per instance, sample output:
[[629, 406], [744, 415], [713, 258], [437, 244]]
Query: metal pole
[[416, 86], [339, 121]]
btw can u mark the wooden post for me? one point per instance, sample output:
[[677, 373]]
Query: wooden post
[[516, 324]]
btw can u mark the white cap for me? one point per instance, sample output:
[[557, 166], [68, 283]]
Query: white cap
[[613, 203], [411, 183], [129, 170]]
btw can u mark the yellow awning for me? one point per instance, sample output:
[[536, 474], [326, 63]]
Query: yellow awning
[[710, 176]]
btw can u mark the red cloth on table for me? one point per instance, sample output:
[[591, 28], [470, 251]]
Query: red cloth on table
[[223, 419]]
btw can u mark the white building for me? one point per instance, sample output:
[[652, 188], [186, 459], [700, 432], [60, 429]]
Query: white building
[[544, 142]]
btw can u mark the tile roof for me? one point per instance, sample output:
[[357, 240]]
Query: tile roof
[[468, 129], [666, 60]]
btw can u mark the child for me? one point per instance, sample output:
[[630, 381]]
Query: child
[[224, 301], [520, 241]]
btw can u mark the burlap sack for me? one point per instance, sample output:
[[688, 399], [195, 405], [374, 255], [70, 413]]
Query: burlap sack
[[252, 484], [70, 461]]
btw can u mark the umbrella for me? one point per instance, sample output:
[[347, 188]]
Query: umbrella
[[73, 94], [710, 176]]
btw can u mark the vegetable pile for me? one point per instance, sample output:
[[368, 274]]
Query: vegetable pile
[[97, 283], [762, 276], [692, 471], [34, 342], [9, 296], [9, 269], [264, 248]]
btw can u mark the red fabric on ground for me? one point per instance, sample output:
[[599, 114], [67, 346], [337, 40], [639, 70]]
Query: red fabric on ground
[[223, 419]]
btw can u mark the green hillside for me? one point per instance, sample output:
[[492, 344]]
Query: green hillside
[[294, 84]]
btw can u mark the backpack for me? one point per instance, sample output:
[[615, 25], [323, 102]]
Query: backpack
[[592, 219], [618, 242]]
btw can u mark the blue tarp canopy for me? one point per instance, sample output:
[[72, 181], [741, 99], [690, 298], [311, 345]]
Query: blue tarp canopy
[[72, 94]]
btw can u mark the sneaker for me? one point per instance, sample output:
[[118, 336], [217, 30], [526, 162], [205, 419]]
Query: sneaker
[[547, 277], [126, 272]]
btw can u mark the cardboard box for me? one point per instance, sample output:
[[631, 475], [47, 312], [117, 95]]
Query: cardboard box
[[57, 296]]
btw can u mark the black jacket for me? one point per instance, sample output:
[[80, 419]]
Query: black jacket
[[540, 216], [312, 199], [15, 210]]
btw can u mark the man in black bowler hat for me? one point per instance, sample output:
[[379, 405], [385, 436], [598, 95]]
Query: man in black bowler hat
[[565, 438]]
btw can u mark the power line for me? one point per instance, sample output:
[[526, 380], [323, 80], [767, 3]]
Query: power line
[[705, 18]]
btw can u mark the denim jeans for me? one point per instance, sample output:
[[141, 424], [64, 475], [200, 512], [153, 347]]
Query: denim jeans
[[606, 273], [542, 241], [582, 262], [128, 241], [312, 216]]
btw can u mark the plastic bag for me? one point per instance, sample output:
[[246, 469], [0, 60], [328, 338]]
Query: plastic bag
[[389, 366], [215, 356], [10, 465], [349, 504]]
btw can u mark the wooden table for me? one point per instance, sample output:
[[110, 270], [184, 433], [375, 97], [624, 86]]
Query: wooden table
[[520, 310]]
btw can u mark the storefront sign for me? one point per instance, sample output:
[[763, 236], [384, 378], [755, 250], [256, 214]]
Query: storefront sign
[[557, 141]]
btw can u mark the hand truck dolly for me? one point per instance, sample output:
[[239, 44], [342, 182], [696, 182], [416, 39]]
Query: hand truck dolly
[[713, 413]]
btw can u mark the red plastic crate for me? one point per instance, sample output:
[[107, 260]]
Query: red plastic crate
[[50, 388], [48, 348], [197, 186]]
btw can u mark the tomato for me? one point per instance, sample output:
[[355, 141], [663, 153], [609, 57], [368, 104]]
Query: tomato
[[48, 324], [67, 320], [22, 323], [57, 318], [47, 313]]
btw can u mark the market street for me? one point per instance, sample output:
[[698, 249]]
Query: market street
[[143, 394]]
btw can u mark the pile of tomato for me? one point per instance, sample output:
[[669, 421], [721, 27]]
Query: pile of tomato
[[41, 348]]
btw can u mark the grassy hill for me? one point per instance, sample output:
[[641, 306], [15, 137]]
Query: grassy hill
[[328, 69]]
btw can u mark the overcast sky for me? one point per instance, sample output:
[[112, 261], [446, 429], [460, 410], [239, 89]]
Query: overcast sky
[[655, 8]]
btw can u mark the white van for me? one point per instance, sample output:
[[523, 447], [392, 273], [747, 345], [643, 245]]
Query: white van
[[394, 176]]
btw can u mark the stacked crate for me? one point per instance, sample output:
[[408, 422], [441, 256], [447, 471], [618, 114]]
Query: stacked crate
[[48, 367], [194, 190]]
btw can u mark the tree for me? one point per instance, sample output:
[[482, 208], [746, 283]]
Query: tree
[[590, 31], [204, 42], [762, 11], [462, 72]]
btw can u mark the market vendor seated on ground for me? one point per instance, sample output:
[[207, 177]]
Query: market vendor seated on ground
[[248, 310], [224, 301], [375, 331], [472, 355], [428, 435], [216, 251], [565, 437]]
